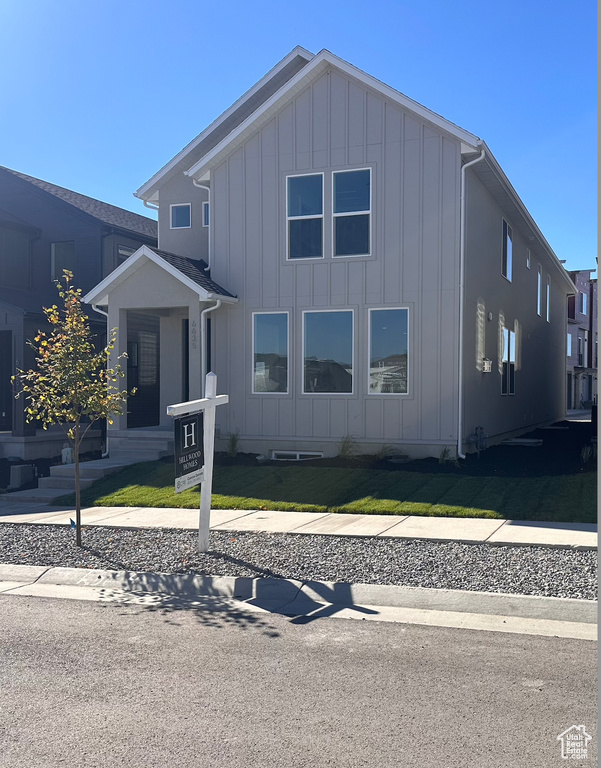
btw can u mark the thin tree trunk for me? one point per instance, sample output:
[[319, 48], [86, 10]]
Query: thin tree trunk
[[77, 490]]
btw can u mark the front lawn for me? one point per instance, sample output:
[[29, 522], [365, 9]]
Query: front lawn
[[559, 498]]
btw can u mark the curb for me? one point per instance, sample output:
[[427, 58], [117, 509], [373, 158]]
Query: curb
[[277, 594]]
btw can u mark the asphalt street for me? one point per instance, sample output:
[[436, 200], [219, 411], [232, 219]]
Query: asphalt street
[[106, 684]]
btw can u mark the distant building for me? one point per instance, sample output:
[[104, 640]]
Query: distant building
[[582, 360]]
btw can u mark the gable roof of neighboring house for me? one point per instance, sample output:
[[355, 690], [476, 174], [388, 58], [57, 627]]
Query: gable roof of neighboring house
[[189, 272], [106, 213]]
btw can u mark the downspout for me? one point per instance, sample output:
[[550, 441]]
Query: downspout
[[96, 308], [206, 186], [203, 344], [462, 204]]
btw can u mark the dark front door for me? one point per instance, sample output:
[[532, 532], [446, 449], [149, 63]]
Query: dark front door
[[6, 371], [143, 369]]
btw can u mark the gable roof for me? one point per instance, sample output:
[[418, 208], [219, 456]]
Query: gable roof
[[319, 63], [106, 213], [229, 120], [189, 272]]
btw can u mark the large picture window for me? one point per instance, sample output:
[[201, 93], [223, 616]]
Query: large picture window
[[508, 376], [270, 352], [352, 212], [304, 208], [328, 352], [388, 351]]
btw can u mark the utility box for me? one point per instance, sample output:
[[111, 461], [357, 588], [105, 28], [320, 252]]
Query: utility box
[[20, 475]]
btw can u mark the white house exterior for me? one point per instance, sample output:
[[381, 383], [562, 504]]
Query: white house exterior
[[373, 273]]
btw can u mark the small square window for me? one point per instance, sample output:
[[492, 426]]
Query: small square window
[[181, 216]]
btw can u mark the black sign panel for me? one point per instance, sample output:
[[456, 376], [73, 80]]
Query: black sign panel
[[189, 452]]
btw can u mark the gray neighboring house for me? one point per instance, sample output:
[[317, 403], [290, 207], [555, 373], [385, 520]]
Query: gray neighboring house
[[45, 228], [582, 360], [373, 273]]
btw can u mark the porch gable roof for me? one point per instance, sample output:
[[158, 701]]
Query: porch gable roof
[[189, 272]]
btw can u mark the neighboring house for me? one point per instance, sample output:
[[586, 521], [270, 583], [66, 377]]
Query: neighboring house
[[390, 284], [582, 361], [44, 229]]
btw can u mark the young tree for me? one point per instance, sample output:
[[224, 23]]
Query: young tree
[[72, 385]]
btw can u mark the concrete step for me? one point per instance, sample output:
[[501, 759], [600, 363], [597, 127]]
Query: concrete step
[[140, 444], [66, 483], [39, 495], [90, 469], [134, 457]]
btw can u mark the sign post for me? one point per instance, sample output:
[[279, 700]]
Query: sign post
[[195, 421]]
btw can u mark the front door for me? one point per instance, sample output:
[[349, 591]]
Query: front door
[[6, 371], [143, 367]]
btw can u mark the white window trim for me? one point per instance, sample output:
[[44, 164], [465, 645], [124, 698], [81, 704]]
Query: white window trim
[[300, 218], [548, 296], [509, 275], [252, 381], [205, 218], [179, 205], [352, 213], [539, 291], [327, 394], [385, 394]]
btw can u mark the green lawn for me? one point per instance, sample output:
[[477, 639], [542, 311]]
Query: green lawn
[[560, 498]]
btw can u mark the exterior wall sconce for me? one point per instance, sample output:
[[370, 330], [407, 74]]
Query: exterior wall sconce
[[486, 365]]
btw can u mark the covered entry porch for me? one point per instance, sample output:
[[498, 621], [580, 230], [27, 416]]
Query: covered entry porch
[[161, 305]]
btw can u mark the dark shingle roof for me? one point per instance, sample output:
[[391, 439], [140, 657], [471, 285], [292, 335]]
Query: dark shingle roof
[[194, 269], [104, 212]]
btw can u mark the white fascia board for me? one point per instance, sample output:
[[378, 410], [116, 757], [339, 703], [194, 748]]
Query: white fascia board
[[145, 189], [493, 164], [469, 142]]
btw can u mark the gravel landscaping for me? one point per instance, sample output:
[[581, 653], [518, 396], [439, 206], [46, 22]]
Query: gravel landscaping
[[518, 570]]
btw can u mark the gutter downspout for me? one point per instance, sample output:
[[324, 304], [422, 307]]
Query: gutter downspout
[[96, 308], [206, 186], [152, 207], [462, 204], [203, 344]]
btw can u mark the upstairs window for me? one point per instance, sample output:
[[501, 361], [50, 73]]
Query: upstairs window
[[304, 209], [508, 375], [352, 211], [14, 258], [583, 307], [539, 291], [181, 216], [507, 266], [62, 256], [205, 214], [548, 299], [124, 252], [569, 349], [528, 259]]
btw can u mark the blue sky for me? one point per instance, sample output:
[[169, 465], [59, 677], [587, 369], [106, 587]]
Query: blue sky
[[97, 96]]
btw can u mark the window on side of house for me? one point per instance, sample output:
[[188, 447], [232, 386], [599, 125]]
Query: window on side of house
[[388, 351], [507, 266], [62, 256], [181, 216], [351, 194], [528, 259], [583, 306], [124, 252], [205, 214], [15, 258], [270, 352], [569, 347], [548, 299], [328, 352], [508, 375], [304, 212], [539, 291]]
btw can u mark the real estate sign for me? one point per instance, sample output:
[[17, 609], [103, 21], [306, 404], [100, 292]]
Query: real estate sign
[[189, 451]]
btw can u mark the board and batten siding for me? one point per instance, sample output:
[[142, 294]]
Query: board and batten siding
[[332, 125]]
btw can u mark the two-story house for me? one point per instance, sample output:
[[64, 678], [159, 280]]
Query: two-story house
[[44, 229], [348, 262], [582, 363]]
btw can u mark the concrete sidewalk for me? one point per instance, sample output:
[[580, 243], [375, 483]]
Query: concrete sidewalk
[[468, 530]]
